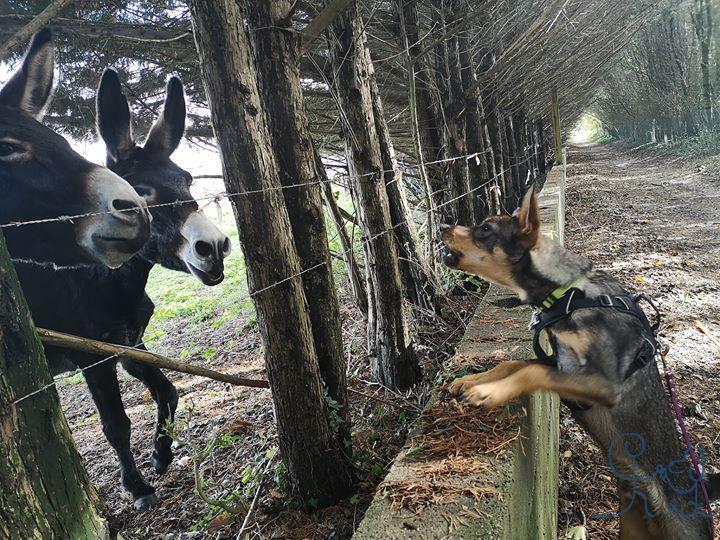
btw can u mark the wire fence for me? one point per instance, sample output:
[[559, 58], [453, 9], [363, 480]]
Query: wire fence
[[226, 195], [252, 294]]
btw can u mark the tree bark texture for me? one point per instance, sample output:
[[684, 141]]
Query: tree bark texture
[[393, 358], [459, 208], [429, 116], [277, 57], [475, 131], [316, 463], [414, 273], [45, 492]]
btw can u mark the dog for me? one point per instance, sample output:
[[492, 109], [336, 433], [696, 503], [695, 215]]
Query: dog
[[602, 366]]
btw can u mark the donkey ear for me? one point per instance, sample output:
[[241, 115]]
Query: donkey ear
[[528, 215], [30, 88], [166, 133], [113, 117]]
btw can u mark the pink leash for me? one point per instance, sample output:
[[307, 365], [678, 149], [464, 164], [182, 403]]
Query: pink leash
[[670, 379]]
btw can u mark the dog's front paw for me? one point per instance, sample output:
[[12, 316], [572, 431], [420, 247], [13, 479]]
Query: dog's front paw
[[487, 395], [460, 385]]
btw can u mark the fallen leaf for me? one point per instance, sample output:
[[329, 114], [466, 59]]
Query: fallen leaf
[[219, 522], [639, 279], [576, 533]]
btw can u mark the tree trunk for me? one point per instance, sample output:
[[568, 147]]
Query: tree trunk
[[44, 489], [357, 284], [479, 173], [394, 362], [703, 23], [449, 81], [414, 273], [431, 229], [315, 460], [277, 58]]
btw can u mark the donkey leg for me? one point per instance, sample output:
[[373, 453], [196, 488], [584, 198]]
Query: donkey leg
[[105, 390], [166, 398]]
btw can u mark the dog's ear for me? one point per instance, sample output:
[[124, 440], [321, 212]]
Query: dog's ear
[[528, 216]]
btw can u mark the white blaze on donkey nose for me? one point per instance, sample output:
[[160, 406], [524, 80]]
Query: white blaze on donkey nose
[[122, 223], [203, 248]]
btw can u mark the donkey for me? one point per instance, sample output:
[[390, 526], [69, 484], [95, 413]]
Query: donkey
[[42, 178], [111, 305]]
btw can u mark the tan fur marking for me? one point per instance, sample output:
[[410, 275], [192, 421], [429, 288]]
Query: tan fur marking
[[494, 267], [534, 377], [500, 371], [578, 341]]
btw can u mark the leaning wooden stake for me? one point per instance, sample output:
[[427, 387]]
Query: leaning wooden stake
[[67, 341]]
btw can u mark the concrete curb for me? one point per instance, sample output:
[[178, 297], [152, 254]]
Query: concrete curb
[[523, 478]]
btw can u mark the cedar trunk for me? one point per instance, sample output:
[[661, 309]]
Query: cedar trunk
[[414, 272], [315, 460], [393, 358], [277, 58], [44, 489]]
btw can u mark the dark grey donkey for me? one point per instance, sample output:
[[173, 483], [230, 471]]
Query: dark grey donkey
[[42, 178], [111, 305]]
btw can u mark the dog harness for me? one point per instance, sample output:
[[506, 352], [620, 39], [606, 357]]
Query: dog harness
[[563, 301]]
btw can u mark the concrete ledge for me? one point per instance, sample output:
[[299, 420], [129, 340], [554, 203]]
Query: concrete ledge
[[468, 474]]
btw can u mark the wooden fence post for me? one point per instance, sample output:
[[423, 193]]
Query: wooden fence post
[[557, 135]]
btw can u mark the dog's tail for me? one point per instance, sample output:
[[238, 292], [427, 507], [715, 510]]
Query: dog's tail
[[713, 485]]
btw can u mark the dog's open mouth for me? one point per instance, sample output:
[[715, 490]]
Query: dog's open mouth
[[451, 257]]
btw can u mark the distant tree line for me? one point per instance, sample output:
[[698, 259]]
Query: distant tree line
[[663, 87]]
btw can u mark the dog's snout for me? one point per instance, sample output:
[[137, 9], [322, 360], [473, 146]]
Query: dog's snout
[[445, 227]]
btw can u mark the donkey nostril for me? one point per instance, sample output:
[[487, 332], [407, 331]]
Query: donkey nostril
[[203, 248], [121, 205], [226, 245]]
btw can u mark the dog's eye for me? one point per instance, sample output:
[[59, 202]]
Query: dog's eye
[[485, 227]]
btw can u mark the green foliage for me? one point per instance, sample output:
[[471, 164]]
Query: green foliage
[[707, 143]]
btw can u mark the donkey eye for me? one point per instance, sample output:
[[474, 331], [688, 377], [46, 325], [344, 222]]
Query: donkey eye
[[8, 149], [146, 192]]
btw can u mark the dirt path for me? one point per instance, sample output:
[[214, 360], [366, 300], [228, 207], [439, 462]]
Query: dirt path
[[652, 221]]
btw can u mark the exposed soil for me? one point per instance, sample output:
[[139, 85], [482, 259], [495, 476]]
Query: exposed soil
[[239, 422], [652, 221]]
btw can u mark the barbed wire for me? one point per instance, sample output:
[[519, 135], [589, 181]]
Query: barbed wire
[[221, 195], [275, 284]]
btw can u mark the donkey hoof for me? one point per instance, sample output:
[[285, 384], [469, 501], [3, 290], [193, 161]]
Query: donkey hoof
[[160, 464], [146, 501]]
